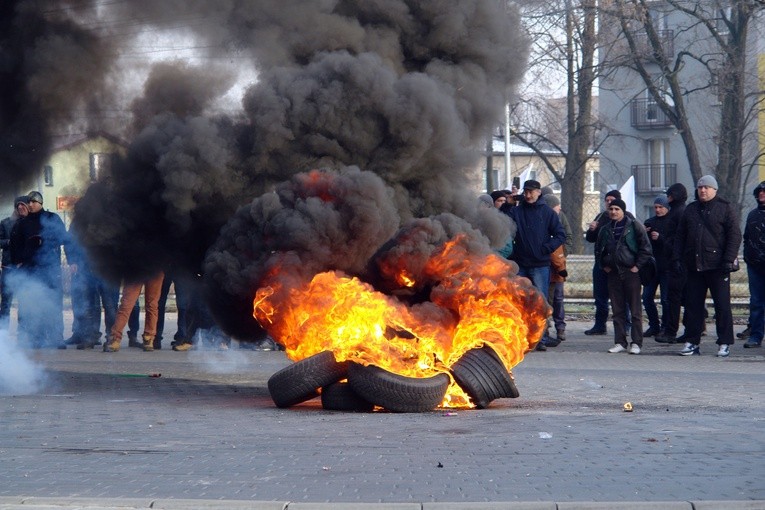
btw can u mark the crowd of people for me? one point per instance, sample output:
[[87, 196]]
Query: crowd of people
[[31, 240], [684, 251]]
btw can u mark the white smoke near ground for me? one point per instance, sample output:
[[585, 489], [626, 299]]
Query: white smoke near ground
[[19, 374]]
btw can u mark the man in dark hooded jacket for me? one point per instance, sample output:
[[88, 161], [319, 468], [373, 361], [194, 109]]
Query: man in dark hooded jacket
[[677, 195]]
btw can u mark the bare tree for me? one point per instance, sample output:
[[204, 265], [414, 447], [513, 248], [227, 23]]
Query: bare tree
[[719, 45], [565, 45]]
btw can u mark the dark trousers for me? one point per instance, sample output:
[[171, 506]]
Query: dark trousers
[[181, 303], [600, 293], [717, 282], [6, 296], [675, 293], [624, 292], [649, 301], [555, 298]]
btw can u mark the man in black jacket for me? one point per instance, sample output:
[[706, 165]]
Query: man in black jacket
[[677, 196], [20, 210], [707, 242], [754, 254]]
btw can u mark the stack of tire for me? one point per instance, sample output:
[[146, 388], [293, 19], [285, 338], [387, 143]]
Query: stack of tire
[[349, 386]]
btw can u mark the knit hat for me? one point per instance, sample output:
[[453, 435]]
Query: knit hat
[[760, 187], [618, 203], [552, 200], [23, 199], [615, 193], [708, 181], [486, 200], [662, 201], [495, 195], [547, 190], [35, 196]]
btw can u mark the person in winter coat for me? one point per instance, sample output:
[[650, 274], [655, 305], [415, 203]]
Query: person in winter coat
[[754, 255], [558, 275], [599, 278], [20, 210], [657, 227], [621, 250], [708, 238], [677, 196], [539, 233], [36, 243]]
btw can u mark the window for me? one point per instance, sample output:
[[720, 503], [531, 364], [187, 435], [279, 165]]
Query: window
[[591, 181], [658, 155], [100, 162], [48, 175]]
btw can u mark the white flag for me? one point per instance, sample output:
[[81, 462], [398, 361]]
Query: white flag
[[628, 194], [525, 175]]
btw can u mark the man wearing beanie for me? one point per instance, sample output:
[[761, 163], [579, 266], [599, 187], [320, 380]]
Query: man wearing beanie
[[676, 196], [708, 238], [36, 251], [754, 255], [599, 279], [621, 250], [657, 226], [539, 233]]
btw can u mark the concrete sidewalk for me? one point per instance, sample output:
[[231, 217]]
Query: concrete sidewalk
[[99, 433]]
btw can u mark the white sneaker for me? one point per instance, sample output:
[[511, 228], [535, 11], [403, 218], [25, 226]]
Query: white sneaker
[[617, 348], [724, 351], [634, 349]]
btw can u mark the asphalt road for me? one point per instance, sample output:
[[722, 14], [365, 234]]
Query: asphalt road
[[98, 430]]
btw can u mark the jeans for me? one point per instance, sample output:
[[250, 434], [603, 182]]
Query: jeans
[[556, 294], [540, 278], [756, 303]]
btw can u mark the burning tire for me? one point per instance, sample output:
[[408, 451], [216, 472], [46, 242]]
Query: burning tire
[[395, 392], [341, 397], [300, 381], [483, 376]]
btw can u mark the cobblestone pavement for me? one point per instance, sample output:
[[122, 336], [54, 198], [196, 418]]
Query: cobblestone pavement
[[98, 427]]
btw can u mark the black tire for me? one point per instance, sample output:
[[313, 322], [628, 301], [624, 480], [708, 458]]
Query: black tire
[[483, 376], [341, 397], [301, 381], [395, 392]]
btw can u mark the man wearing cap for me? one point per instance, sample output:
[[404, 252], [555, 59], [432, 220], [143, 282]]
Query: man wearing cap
[[657, 227], [20, 210], [36, 251], [754, 255], [621, 250], [708, 238], [599, 278], [539, 233]]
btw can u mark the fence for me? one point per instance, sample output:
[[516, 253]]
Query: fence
[[579, 281]]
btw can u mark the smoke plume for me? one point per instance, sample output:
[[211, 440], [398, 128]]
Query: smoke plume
[[364, 115]]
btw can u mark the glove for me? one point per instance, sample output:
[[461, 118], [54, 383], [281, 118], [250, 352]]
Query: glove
[[728, 267], [563, 273]]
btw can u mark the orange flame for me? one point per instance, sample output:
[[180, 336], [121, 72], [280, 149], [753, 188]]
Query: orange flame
[[475, 301]]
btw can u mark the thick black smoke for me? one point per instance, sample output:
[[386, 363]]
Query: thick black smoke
[[389, 99], [49, 68]]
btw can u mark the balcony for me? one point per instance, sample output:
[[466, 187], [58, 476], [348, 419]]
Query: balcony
[[654, 179], [646, 114], [646, 52]]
